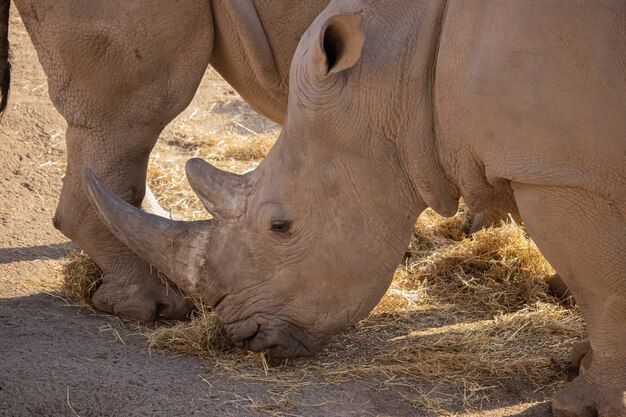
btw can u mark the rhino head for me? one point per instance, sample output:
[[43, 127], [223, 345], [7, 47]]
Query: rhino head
[[306, 244]]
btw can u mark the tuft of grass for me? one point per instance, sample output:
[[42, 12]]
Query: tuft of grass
[[202, 335], [81, 278]]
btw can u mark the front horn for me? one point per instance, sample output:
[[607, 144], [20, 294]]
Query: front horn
[[176, 248]]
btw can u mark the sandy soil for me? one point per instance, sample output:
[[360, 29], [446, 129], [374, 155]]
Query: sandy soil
[[60, 360]]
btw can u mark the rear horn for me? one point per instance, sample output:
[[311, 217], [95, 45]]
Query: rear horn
[[221, 192]]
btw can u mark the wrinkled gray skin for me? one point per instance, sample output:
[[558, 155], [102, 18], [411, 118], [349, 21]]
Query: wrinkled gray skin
[[509, 104], [119, 72]]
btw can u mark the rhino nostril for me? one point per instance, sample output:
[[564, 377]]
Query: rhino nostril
[[161, 309], [248, 340]]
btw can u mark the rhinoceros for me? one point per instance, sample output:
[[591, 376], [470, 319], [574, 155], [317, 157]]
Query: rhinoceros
[[396, 105], [118, 72]]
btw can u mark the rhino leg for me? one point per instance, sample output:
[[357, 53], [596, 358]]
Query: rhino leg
[[583, 235], [118, 72], [151, 205]]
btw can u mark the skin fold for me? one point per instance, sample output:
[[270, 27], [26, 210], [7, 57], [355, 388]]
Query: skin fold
[[119, 72], [396, 105]]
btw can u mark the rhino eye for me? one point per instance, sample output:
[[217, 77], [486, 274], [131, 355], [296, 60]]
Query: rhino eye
[[280, 226]]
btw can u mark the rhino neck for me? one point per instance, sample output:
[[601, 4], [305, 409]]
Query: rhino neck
[[254, 44], [417, 137]]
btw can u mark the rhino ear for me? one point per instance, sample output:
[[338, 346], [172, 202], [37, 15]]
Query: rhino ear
[[340, 43]]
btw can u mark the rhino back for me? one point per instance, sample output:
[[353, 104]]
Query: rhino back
[[534, 92]]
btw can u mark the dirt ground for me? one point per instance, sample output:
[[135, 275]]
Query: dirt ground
[[60, 360]]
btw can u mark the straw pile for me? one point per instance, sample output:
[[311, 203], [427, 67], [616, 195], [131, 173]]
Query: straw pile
[[81, 278], [465, 318]]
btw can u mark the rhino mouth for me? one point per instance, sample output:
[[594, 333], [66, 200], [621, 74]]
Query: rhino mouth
[[280, 341]]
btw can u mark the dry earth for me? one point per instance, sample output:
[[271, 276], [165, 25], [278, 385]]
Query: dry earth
[[57, 359]]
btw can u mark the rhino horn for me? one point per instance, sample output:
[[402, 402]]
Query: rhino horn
[[221, 192], [176, 248]]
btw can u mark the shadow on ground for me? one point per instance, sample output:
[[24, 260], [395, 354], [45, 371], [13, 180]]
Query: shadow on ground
[[60, 360], [32, 253]]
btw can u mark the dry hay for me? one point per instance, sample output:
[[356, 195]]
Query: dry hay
[[466, 317], [201, 336], [81, 278]]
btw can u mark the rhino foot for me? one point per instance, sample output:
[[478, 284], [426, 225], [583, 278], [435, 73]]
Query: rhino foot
[[591, 396], [145, 299], [582, 355]]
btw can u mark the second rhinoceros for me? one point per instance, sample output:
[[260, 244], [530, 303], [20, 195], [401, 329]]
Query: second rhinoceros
[[396, 105], [119, 72]]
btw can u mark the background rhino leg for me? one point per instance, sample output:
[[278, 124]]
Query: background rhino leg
[[583, 236], [151, 205], [118, 72]]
